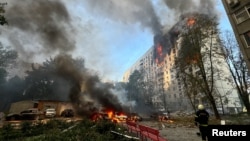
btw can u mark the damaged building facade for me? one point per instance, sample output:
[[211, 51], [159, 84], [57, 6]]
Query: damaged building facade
[[159, 63]]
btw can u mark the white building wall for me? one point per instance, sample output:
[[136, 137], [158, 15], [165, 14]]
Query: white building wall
[[174, 95]]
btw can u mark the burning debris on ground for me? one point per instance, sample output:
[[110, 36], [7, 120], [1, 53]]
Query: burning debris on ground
[[85, 90], [52, 28]]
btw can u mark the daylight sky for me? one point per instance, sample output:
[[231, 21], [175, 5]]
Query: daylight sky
[[111, 35]]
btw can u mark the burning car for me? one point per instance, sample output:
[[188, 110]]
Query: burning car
[[100, 116], [120, 117], [134, 117], [109, 115]]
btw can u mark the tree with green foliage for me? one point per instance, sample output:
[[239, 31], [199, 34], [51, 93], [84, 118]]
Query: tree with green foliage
[[44, 81], [55, 130], [135, 86], [7, 57], [140, 91]]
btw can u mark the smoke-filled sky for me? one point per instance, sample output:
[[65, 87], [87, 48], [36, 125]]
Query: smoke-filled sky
[[109, 34]]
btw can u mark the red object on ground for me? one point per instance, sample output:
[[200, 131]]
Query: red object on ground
[[148, 132], [132, 127]]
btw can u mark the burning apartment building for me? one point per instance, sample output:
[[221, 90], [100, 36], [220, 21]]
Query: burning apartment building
[[49, 24], [170, 88]]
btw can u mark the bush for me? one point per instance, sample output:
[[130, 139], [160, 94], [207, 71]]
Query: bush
[[9, 133], [59, 130]]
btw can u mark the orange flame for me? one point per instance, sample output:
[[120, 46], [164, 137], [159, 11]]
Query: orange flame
[[190, 21], [159, 50], [159, 54], [110, 114]]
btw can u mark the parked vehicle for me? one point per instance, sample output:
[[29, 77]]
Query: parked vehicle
[[12, 116], [67, 113], [50, 112], [31, 114]]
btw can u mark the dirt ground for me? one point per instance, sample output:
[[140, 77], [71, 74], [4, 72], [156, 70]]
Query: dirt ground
[[179, 133], [177, 128], [175, 132], [182, 128]]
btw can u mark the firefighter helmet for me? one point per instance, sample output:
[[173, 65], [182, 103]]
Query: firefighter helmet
[[200, 107]]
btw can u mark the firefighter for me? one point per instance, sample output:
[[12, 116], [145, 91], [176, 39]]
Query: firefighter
[[201, 120]]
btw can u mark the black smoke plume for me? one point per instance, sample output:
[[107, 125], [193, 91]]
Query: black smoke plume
[[50, 23]]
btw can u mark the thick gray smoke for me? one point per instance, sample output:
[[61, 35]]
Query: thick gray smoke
[[44, 27], [181, 7], [87, 92], [183, 10], [127, 11], [145, 12], [48, 21]]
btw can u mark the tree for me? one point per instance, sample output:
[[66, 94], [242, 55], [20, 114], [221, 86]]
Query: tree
[[134, 86], [149, 87], [3, 20], [190, 88], [11, 91], [45, 82], [237, 66], [195, 58], [7, 56], [140, 91]]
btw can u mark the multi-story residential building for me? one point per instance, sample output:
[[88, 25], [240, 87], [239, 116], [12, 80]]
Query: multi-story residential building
[[146, 63], [238, 12], [171, 94]]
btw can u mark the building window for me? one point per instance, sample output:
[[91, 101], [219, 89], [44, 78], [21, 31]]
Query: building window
[[247, 38], [233, 3], [241, 15]]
